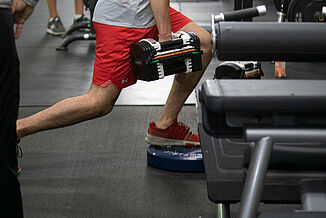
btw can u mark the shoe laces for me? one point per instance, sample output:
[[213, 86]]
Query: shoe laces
[[185, 128]]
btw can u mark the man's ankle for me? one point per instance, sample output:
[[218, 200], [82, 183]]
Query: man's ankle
[[163, 124]]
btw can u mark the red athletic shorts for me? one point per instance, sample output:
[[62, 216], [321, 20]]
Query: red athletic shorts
[[112, 50]]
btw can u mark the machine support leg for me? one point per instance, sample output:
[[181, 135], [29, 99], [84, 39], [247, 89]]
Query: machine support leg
[[223, 211], [254, 183]]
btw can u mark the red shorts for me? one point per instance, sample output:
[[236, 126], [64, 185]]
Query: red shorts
[[112, 50]]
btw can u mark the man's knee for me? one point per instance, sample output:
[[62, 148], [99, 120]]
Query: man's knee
[[206, 44], [101, 100], [205, 38], [100, 108]]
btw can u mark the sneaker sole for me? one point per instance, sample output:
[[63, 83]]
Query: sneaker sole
[[154, 140], [54, 33]]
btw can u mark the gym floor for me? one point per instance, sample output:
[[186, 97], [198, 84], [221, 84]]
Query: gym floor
[[98, 168]]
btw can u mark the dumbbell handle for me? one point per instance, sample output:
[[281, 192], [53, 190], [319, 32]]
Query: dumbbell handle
[[171, 43], [241, 14]]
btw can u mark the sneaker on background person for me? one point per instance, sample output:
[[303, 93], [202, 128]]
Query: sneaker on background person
[[80, 18], [55, 27], [177, 134]]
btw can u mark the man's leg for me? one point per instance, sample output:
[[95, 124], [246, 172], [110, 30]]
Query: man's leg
[[167, 131], [112, 72], [97, 102], [184, 84]]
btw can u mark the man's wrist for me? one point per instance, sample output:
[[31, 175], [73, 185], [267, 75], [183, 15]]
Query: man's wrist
[[165, 37], [169, 35]]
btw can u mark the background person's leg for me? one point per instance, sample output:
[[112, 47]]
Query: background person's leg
[[79, 7], [55, 26], [79, 16], [97, 102], [10, 196], [52, 6]]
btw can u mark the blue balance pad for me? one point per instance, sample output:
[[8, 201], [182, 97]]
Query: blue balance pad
[[175, 158]]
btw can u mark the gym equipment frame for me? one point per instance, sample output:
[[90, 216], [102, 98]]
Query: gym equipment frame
[[278, 126]]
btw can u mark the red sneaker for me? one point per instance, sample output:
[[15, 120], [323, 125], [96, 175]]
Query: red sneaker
[[178, 134]]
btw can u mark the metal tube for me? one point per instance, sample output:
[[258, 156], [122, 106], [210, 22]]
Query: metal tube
[[286, 134], [281, 17], [223, 211], [266, 41], [254, 183]]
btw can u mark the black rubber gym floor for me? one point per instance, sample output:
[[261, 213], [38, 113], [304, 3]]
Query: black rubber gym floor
[[98, 168]]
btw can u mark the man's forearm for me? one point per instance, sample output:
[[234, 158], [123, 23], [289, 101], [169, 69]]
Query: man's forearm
[[161, 11]]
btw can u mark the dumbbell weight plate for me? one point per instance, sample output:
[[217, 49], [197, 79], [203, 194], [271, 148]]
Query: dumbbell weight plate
[[305, 10]]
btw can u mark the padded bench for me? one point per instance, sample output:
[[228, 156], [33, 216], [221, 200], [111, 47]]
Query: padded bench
[[236, 114]]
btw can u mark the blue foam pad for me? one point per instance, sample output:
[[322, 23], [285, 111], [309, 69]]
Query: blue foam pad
[[175, 158]]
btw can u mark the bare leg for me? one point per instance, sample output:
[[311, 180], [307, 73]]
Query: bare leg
[[97, 102], [184, 84], [79, 7], [52, 6]]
